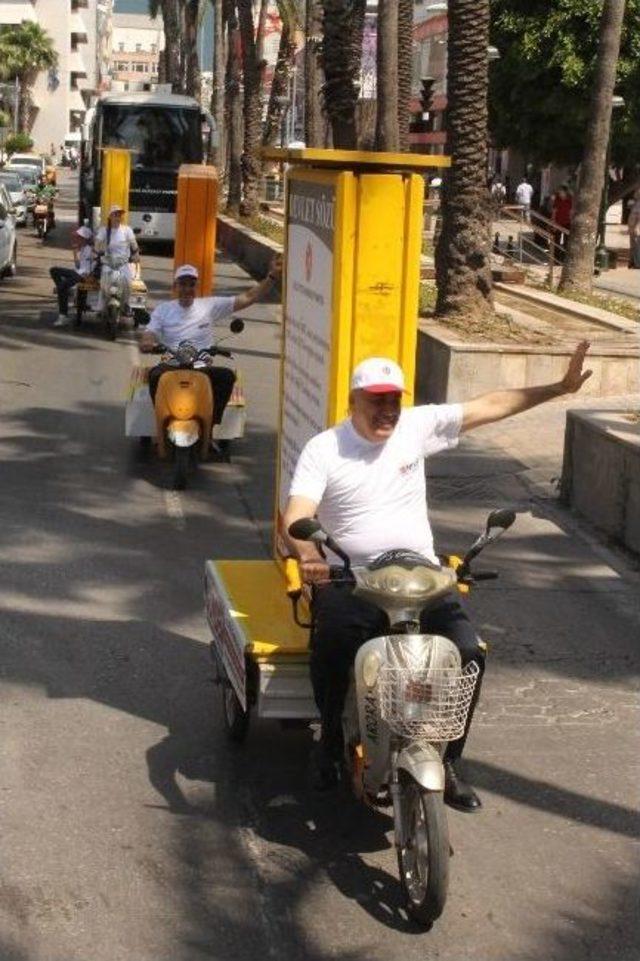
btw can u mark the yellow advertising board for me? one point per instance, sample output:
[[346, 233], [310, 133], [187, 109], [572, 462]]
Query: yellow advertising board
[[116, 177], [352, 273]]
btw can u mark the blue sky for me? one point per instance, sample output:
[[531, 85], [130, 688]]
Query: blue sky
[[141, 6]]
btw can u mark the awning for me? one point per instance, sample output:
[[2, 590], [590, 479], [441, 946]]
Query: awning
[[78, 26], [76, 101], [77, 64]]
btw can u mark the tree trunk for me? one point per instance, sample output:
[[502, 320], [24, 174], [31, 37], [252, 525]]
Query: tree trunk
[[577, 271], [192, 79], [463, 268], [217, 90], [233, 112], [253, 69], [313, 79], [343, 23], [387, 132], [172, 50], [405, 70], [279, 86]]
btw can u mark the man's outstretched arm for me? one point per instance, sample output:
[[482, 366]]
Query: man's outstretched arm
[[499, 404], [260, 291]]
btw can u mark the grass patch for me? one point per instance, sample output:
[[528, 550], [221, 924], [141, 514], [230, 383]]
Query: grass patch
[[615, 305], [265, 226], [427, 298]]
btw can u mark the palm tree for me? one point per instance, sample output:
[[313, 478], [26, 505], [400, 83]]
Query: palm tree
[[217, 91], [463, 269], [171, 61], [343, 24], [577, 271], [313, 76], [405, 67], [387, 132], [233, 110], [253, 65], [285, 64], [25, 51]]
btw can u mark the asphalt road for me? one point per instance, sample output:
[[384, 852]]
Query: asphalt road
[[132, 832]]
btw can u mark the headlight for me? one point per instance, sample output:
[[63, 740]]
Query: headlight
[[371, 668]]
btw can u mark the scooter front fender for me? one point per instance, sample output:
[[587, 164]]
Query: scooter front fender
[[424, 764]]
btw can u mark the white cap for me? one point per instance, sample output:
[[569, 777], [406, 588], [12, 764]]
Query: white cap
[[187, 270], [116, 209], [84, 232], [378, 375]]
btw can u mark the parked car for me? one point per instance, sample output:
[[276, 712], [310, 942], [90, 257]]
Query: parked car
[[29, 177], [8, 242], [29, 160], [15, 186]]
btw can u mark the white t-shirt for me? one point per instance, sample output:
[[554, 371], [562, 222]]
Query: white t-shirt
[[172, 323], [372, 497], [524, 193], [121, 242], [85, 259]]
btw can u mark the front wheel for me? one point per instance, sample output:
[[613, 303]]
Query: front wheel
[[111, 322], [181, 468], [40, 229], [423, 862]]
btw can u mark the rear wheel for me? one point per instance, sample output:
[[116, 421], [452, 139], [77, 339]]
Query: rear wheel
[[181, 468], [236, 720], [12, 267], [423, 862]]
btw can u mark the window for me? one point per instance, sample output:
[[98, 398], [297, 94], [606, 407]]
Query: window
[[138, 67], [154, 48], [138, 47], [121, 46]]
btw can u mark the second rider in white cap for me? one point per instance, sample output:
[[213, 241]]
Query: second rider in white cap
[[192, 318]]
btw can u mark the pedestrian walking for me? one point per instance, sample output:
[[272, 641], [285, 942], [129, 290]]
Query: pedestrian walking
[[524, 193], [65, 279], [562, 211], [634, 232]]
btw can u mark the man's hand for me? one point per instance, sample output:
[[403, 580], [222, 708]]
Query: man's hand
[[575, 376], [314, 571]]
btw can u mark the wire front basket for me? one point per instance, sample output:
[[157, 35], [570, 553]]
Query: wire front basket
[[427, 705]]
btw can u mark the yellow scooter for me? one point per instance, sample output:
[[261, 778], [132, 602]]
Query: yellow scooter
[[184, 408]]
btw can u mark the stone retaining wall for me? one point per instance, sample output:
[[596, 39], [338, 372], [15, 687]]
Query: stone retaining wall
[[601, 472]]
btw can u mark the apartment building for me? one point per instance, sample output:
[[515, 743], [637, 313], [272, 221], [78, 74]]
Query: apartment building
[[135, 51], [81, 33]]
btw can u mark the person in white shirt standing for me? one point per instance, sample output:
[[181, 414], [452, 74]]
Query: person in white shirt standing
[[524, 193], [193, 318], [364, 480], [119, 242], [66, 279]]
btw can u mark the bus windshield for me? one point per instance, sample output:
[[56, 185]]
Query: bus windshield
[[158, 136]]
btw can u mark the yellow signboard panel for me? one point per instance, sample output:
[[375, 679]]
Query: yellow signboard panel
[[352, 270], [116, 177]]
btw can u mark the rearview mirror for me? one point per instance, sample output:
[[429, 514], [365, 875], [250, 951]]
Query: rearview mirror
[[500, 518], [236, 326]]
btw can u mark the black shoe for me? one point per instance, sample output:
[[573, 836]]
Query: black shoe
[[324, 771], [457, 793]]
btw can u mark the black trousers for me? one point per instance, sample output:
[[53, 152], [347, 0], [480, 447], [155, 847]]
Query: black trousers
[[342, 623], [65, 280], [222, 381]]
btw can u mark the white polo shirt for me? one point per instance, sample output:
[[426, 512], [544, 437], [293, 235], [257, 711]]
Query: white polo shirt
[[122, 241], [172, 323], [373, 497]]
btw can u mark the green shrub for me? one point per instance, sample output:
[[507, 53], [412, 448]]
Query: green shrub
[[18, 143], [5, 119]]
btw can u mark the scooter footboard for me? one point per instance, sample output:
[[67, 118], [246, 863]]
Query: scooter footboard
[[423, 763]]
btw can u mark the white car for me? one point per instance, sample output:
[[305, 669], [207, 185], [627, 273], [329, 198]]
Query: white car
[[29, 160], [19, 198], [8, 243]]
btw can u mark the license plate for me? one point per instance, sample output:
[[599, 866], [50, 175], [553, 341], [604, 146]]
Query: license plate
[[149, 232]]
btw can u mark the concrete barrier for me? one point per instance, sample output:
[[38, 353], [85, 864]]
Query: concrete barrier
[[252, 250], [451, 369], [601, 472]]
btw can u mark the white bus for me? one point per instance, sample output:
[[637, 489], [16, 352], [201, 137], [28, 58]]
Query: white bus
[[162, 131]]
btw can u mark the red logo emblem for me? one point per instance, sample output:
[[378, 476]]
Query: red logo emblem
[[308, 262]]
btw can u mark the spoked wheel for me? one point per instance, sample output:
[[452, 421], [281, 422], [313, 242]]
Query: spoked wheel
[[423, 862], [236, 720], [181, 468]]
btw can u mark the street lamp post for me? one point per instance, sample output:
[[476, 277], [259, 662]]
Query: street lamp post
[[602, 254]]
